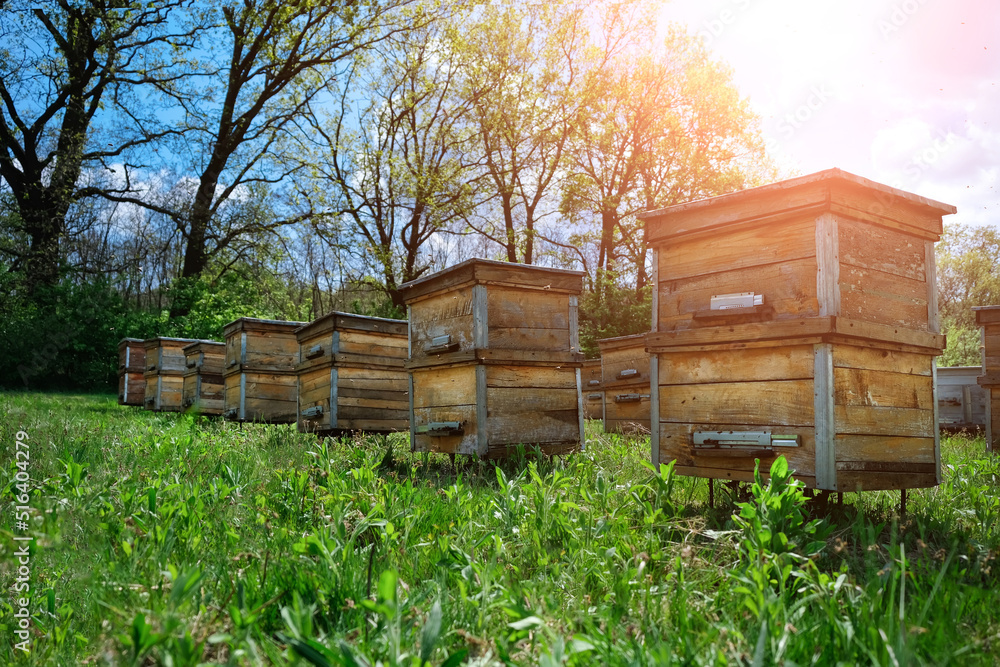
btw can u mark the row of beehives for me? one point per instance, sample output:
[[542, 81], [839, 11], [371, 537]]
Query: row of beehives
[[488, 359], [798, 318]]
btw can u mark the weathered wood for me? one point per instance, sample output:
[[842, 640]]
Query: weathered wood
[[350, 371], [204, 387], [131, 370], [781, 402], [814, 192], [164, 393], [624, 360], [824, 407], [165, 364], [502, 274], [264, 346], [257, 396], [774, 362]]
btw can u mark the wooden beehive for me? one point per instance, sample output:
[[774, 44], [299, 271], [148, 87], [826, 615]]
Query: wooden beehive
[[164, 373], [961, 401], [625, 373], [261, 384], [593, 392], [988, 319], [203, 384], [495, 359], [351, 375], [831, 358], [131, 371]]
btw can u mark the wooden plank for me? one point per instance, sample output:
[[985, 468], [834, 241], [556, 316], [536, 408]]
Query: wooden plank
[[373, 344], [466, 443], [483, 430], [737, 249], [383, 380], [615, 360], [792, 362], [888, 421], [789, 287], [930, 269], [825, 415], [891, 449], [937, 429], [448, 313], [444, 386], [526, 400], [676, 444], [654, 412], [875, 359], [858, 387], [527, 338], [514, 308], [755, 331], [777, 403], [539, 427], [893, 334], [493, 272], [877, 248], [884, 298], [828, 265], [530, 376], [987, 315], [884, 481]]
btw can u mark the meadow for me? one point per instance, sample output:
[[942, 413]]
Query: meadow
[[165, 539]]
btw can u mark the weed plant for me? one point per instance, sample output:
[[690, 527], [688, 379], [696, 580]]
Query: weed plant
[[165, 539]]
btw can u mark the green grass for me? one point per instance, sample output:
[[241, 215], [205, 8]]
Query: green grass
[[165, 539]]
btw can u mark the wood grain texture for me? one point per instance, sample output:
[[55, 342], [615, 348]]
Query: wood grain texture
[[789, 287], [618, 358], [676, 439], [778, 403], [859, 387], [876, 248], [131, 388], [775, 362], [887, 449], [737, 249]]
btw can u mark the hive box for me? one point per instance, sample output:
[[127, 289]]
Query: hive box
[[495, 359], [625, 372], [988, 319], [961, 401], [131, 370], [165, 365], [261, 384], [203, 384], [593, 393], [351, 375], [831, 359]]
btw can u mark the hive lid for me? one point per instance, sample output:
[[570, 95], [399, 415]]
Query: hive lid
[[204, 343], [987, 314], [830, 190], [256, 324], [338, 321], [479, 271], [159, 340]]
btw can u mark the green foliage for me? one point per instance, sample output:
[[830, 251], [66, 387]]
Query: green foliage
[[175, 540], [66, 335], [610, 309], [968, 261], [774, 522]]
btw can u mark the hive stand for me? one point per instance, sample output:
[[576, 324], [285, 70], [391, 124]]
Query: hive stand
[[988, 319], [351, 375], [593, 390], [625, 377], [261, 384], [495, 359], [831, 359], [131, 370], [203, 384]]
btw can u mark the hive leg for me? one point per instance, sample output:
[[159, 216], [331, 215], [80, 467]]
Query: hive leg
[[711, 493]]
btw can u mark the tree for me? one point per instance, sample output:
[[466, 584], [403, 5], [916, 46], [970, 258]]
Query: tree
[[522, 85], [968, 275], [661, 127], [69, 74], [399, 174]]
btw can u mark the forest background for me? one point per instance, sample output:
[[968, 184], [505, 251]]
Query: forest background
[[169, 166]]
